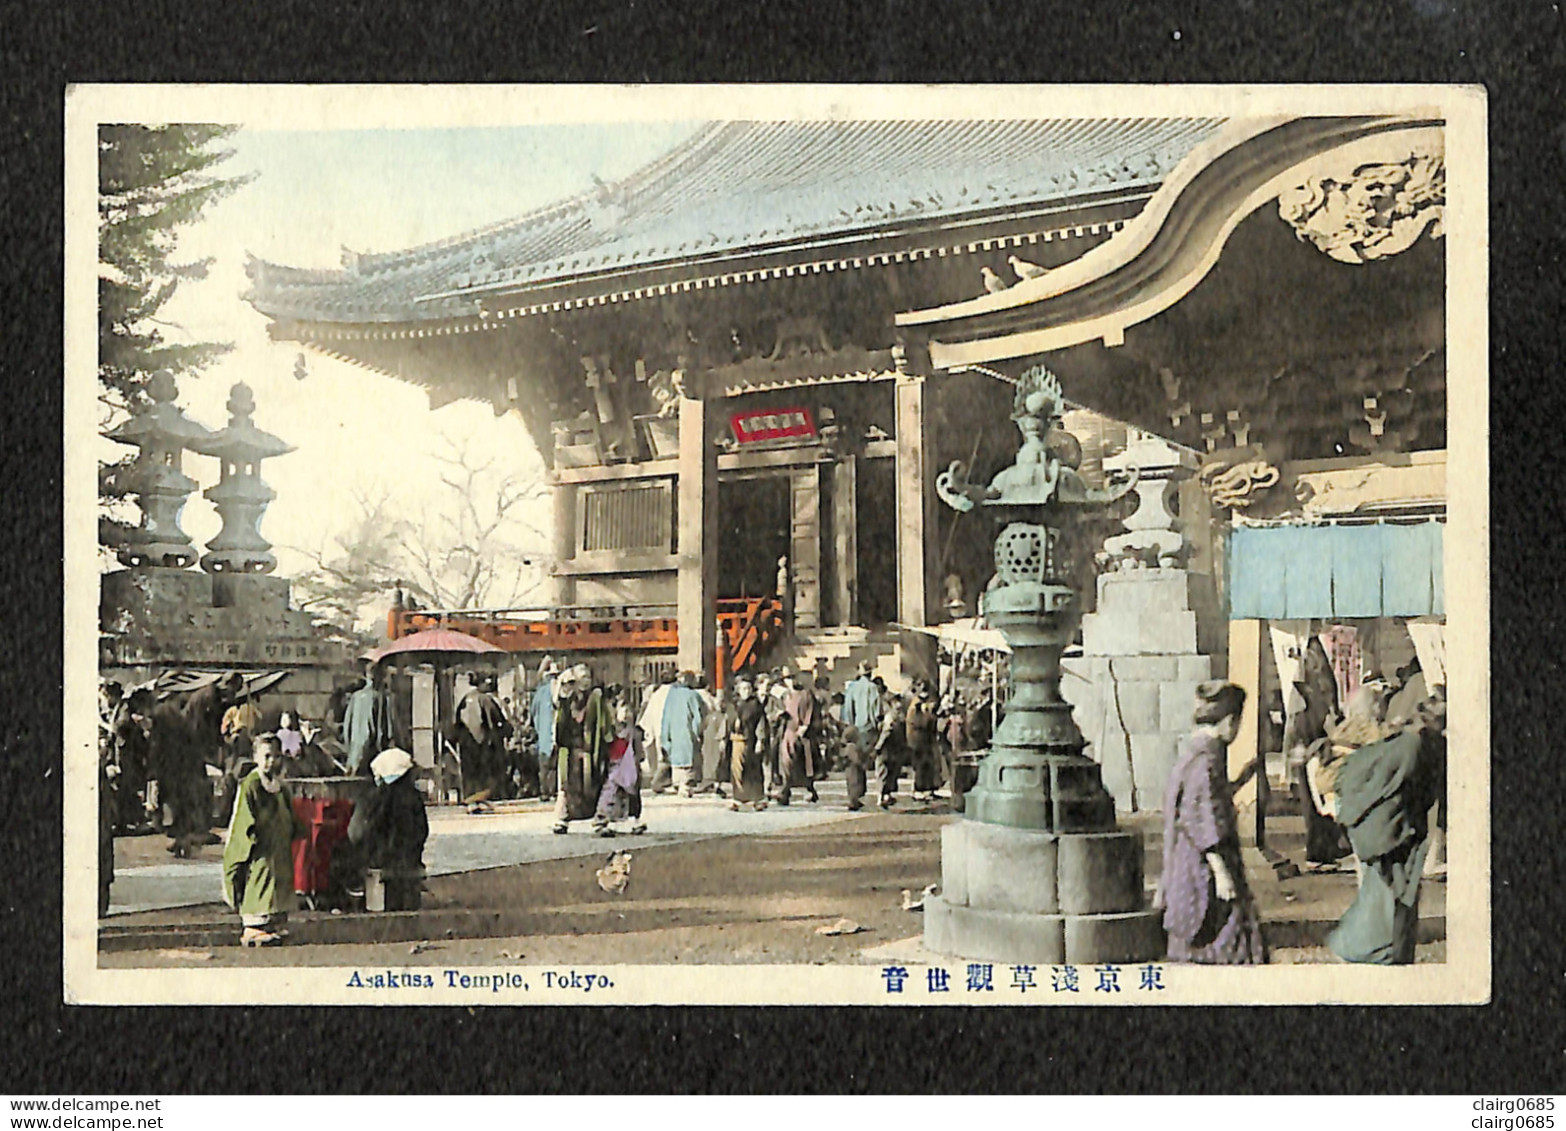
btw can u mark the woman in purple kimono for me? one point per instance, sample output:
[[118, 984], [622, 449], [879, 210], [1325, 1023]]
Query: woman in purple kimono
[[1208, 911]]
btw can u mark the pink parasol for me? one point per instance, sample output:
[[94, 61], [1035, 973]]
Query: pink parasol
[[433, 643]]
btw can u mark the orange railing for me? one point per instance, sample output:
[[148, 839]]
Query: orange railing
[[750, 625]]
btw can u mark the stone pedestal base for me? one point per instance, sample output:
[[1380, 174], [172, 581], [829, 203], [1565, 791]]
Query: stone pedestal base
[[160, 598], [1021, 895], [1134, 687]]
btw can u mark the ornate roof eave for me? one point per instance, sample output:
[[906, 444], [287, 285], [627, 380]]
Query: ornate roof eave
[[1167, 249], [943, 234], [565, 295]]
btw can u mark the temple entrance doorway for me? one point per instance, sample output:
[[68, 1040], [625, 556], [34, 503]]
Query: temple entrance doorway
[[875, 517], [754, 525]]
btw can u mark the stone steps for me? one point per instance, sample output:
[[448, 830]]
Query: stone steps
[[837, 654]]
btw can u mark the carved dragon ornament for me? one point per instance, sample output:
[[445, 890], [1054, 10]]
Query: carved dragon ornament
[[1375, 211]]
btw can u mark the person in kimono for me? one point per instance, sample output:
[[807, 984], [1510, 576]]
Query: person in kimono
[[684, 721], [797, 752], [715, 741], [826, 731], [387, 832], [258, 862], [1363, 724], [108, 705], [778, 690], [1384, 795], [861, 727], [621, 797], [482, 730], [891, 748], [1208, 911], [651, 722], [746, 729], [131, 757], [584, 729], [920, 724], [366, 726], [542, 714], [1305, 738]]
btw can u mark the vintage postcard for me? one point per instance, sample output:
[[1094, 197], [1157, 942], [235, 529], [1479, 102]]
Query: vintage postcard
[[800, 545]]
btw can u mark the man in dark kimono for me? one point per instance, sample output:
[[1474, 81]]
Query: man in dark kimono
[[745, 755], [131, 755], [920, 724], [482, 730], [108, 705], [185, 738], [891, 749], [1305, 734], [1385, 793], [584, 729]]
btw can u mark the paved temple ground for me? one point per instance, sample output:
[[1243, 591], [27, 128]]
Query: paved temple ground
[[710, 887]]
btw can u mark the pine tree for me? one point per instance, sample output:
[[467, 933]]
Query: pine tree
[[152, 181]]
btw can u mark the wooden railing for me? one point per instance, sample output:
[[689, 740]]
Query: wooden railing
[[750, 625]]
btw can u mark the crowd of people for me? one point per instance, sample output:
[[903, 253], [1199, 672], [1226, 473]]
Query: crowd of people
[[1370, 778], [594, 749], [174, 764]]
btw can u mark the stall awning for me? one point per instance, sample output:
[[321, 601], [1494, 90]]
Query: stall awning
[[1380, 569]]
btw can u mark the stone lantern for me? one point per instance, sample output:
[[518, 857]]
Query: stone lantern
[[162, 432], [239, 495], [1037, 870]]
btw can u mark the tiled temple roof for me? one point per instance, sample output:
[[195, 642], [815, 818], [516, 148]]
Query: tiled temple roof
[[746, 186]]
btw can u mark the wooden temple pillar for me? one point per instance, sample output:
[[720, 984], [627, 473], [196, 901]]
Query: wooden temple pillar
[[845, 539], [697, 558], [1247, 645], [563, 583], [915, 523]]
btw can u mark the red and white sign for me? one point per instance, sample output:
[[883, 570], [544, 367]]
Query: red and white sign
[[772, 424]]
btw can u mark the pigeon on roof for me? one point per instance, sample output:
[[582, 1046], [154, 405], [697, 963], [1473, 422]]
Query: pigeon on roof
[[1026, 270], [993, 283]]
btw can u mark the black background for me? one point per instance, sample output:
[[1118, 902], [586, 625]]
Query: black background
[[1516, 1044]]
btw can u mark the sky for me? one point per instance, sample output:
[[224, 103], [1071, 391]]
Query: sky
[[313, 194]]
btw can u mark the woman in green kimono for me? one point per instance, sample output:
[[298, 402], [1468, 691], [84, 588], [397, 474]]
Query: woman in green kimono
[[258, 861], [1384, 795]]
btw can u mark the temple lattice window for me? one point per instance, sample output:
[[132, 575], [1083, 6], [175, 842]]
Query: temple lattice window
[[639, 518]]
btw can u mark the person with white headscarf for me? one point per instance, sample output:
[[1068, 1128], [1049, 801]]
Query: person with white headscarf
[[258, 863], [387, 832]]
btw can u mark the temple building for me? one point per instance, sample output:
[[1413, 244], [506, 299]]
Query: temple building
[[749, 362]]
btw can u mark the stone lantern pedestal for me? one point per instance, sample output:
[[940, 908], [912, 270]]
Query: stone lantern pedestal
[[1037, 870]]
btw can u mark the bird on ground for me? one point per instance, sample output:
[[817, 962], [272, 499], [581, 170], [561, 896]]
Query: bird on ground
[[993, 283], [616, 873], [1026, 270]]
